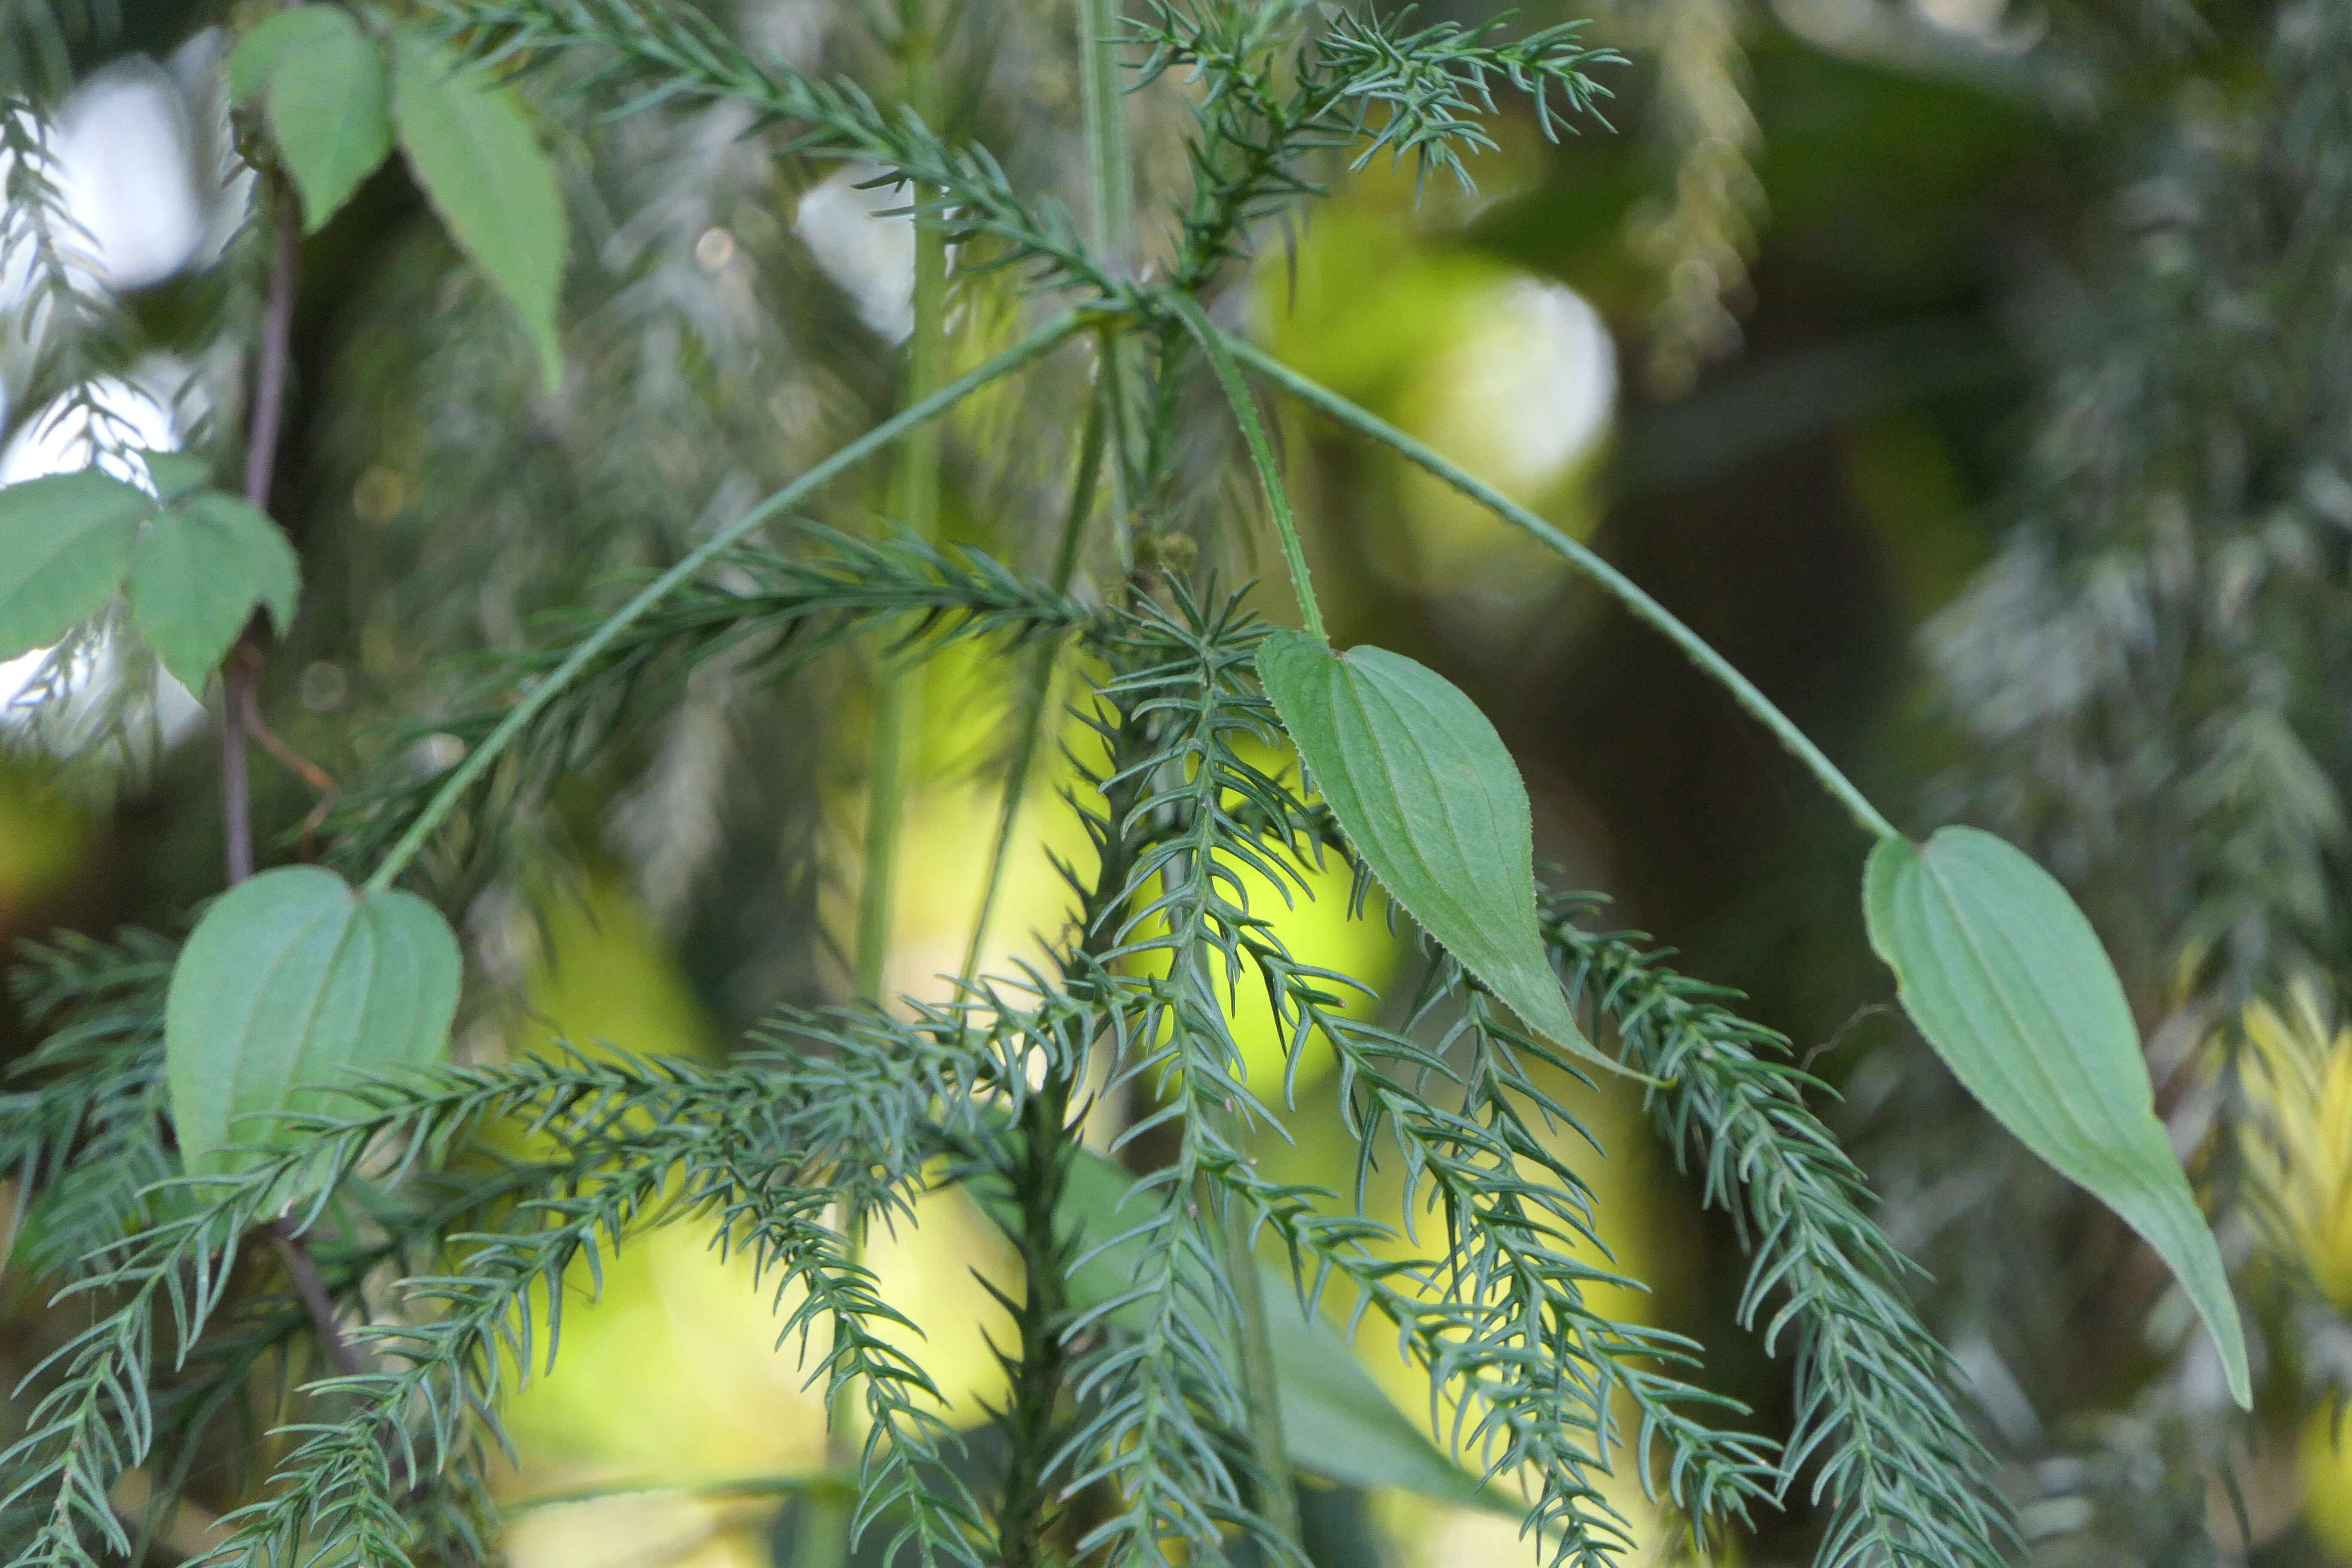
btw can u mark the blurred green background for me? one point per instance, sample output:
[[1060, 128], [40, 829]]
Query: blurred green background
[[1967, 371]]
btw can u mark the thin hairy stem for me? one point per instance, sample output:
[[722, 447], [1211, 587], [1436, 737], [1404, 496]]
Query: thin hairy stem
[[1028, 351], [311, 1287], [1269, 471], [1620, 586], [238, 699]]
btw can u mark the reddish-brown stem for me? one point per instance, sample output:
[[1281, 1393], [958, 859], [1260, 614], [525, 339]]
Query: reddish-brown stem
[[312, 1287], [276, 356], [237, 802], [266, 414], [257, 729], [265, 417]]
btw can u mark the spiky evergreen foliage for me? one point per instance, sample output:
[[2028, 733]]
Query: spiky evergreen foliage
[[838, 1119], [1142, 1428], [86, 1132], [1874, 1391], [766, 614], [1280, 87], [653, 54]]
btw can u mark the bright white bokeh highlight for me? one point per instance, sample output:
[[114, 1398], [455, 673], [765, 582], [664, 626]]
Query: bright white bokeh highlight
[[1526, 392], [122, 153], [870, 256]]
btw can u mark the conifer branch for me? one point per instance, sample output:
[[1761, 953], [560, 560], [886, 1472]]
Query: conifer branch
[[1877, 1424]]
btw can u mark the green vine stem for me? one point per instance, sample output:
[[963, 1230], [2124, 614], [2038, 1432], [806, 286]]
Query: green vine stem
[[1616, 582], [1110, 187], [1040, 690], [1110, 219], [1279, 1503], [1215, 344], [1026, 352], [915, 506], [897, 691]]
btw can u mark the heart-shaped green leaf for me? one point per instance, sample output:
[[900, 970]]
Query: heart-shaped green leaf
[[474, 155], [200, 568], [64, 543], [2005, 977], [1428, 796], [328, 111], [290, 983]]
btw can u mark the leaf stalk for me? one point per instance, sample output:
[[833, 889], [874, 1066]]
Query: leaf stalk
[[1216, 345], [1615, 583]]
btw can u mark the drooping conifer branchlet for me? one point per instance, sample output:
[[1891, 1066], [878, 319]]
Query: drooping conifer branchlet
[[767, 613], [1878, 1428], [1277, 84], [1500, 1322], [653, 54]]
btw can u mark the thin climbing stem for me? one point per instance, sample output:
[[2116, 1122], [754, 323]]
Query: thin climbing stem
[[1110, 183], [1037, 698], [1026, 352], [1260, 1375], [1622, 587], [914, 506], [897, 689], [264, 420], [1110, 217], [1269, 471]]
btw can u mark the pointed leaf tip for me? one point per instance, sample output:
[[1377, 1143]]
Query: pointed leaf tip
[[1431, 799], [292, 985], [2005, 977], [328, 108], [473, 153]]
